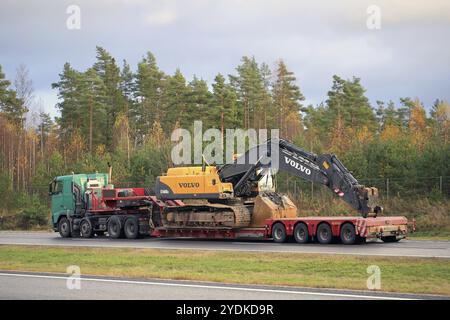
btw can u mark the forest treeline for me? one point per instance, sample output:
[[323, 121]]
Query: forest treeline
[[113, 112]]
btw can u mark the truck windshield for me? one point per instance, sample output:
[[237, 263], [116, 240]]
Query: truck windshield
[[56, 187]]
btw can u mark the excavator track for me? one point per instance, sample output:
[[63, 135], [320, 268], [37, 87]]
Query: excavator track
[[207, 216]]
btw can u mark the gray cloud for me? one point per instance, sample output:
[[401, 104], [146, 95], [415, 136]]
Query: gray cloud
[[409, 56]]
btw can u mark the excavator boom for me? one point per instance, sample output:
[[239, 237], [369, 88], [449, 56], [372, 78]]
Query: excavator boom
[[325, 169]]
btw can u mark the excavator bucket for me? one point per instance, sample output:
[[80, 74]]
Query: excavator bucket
[[270, 205], [371, 194]]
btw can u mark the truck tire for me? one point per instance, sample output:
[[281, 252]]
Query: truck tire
[[64, 227], [324, 234], [279, 233], [131, 228], [348, 234], [115, 229], [390, 239], [301, 234], [86, 228]]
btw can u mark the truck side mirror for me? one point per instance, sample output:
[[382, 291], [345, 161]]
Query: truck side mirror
[[50, 189]]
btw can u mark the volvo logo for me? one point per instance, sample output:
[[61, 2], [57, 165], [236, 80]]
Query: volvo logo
[[297, 165], [189, 184]]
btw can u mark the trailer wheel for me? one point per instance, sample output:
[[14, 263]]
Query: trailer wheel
[[115, 229], [390, 239], [131, 228], [324, 234], [301, 234], [348, 234], [279, 233], [86, 228], [64, 227]]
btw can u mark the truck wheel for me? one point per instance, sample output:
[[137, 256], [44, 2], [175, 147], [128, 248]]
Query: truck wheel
[[348, 234], [64, 227], [279, 233], [115, 229], [390, 239], [131, 228], [324, 234], [86, 228], [301, 234]]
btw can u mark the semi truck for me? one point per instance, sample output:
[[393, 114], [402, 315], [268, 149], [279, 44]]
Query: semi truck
[[235, 201]]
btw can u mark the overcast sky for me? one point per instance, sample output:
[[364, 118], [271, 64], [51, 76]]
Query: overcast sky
[[408, 56]]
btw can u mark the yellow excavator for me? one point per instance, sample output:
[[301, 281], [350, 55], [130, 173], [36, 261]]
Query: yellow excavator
[[241, 194]]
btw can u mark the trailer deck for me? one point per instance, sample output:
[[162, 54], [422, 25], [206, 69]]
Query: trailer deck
[[385, 228]]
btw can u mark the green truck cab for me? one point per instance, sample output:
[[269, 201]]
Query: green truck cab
[[65, 192]]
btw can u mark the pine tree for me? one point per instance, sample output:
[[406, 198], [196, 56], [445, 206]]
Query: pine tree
[[346, 100], [4, 85], [287, 101], [391, 115], [250, 87], [109, 73], [127, 84], [268, 117], [176, 95], [149, 95], [11, 106], [389, 124], [95, 109], [72, 115], [83, 106], [404, 112], [224, 111], [199, 101], [43, 130], [380, 114], [316, 120]]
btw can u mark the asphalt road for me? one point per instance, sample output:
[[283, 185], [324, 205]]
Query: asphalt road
[[404, 248], [49, 286]]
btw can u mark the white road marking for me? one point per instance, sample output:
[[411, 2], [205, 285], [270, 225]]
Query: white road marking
[[356, 296], [226, 249]]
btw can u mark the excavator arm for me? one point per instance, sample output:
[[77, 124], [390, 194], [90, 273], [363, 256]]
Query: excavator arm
[[325, 169]]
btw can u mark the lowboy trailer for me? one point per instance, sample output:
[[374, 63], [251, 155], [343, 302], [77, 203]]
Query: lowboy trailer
[[325, 230]]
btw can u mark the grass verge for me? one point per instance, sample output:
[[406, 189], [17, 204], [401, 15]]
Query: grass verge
[[414, 275], [430, 235]]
